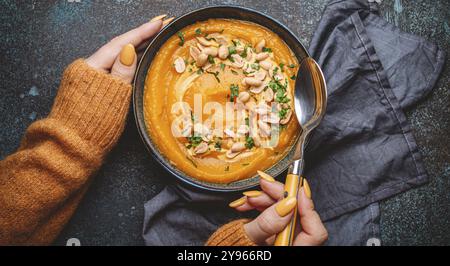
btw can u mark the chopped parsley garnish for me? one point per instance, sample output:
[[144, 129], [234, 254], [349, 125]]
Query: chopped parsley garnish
[[234, 72], [281, 67], [255, 66], [275, 70], [194, 141], [218, 145], [181, 36], [293, 77], [283, 112], [244, 53], [198, 31], [291, 66], [211, 59], [274, 85], [281, 97], [249, 142], [199, 71], [279, 90], [247, 121], [232, 50], [265, 49], [222, 66], [234, 89]]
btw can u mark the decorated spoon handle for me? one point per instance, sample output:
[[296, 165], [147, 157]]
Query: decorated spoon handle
[[291, 186]]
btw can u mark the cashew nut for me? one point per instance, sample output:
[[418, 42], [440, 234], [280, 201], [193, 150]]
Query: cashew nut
[[262, 56], [238, 61], [260, 75], [265, 64], [252, 81], [238, 146], [203, 41], [201, 148], [219, 38], [180, 65], [195, 52], [258, 89], [223, 52], [201, 60], [212, 51], [244, 96]]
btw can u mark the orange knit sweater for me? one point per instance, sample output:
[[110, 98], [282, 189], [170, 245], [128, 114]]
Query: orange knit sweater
[[231, 234], [43, 182]]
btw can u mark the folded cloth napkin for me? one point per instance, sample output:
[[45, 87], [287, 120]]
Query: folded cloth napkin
[[361, 153]]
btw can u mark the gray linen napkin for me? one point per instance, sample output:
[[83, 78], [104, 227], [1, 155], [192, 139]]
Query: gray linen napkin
[[361, 153]]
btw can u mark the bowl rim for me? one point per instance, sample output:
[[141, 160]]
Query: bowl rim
[[141, 125]]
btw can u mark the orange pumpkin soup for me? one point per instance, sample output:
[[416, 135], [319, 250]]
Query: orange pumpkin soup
[[218, 100]]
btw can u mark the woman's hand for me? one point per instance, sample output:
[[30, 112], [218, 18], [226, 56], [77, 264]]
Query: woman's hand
[[277, 214], [118, 56]]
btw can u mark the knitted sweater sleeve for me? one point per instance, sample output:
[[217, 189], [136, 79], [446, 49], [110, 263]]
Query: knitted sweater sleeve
[[231, 234], [42, 183]]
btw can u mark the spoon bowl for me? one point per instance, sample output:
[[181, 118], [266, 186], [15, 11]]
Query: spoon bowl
[[310, 96]]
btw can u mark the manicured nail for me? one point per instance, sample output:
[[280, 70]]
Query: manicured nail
[[238, 202], [167, 21], [127, 55], [160, 17], [285, 206], [306, 188], [266, 176], [252, 193]]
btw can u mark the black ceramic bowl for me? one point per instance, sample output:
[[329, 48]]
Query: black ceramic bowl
[[229, 12]]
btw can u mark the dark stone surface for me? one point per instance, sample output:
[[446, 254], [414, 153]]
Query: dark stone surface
[[38, 39]]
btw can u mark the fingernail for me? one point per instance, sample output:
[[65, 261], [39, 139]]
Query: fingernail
[[266, 176], [127, 55], [238, 202], [306, 188], [158, 17], [252, 193], [167, 21], [285, 206]]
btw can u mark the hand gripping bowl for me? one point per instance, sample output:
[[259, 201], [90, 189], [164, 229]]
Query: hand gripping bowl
[[227, 12]]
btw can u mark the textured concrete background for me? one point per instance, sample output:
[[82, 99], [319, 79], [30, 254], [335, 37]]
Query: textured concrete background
[[39, 38]]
